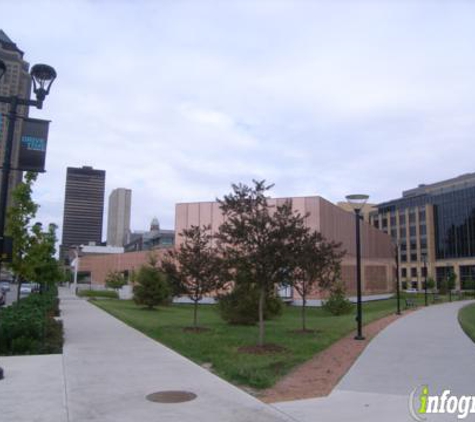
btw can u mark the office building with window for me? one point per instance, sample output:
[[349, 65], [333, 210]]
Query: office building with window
[[16, 81], [118, 220], [435, 228], [83, 208]]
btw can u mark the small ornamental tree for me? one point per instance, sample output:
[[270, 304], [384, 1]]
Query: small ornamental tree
[[151, 288], [194, 268], [115, 280], [258, 239], [44, 267], [318, 264], [19, 217]]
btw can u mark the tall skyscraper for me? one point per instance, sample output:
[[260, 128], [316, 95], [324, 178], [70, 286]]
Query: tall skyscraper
[[83, 207], [118, 221], [16, 81]]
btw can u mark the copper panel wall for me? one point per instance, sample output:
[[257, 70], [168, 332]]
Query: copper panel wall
[[376, 279], [339, 225]]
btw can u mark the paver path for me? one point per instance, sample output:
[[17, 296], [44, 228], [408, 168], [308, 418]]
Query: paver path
[[425, 347]]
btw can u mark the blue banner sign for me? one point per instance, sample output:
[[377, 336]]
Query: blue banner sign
[[33, 145]]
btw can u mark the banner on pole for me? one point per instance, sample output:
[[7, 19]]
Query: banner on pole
[[34, 138]]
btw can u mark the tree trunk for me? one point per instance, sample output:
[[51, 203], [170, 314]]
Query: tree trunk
[[304, 316], [195, 314], [262, 297]]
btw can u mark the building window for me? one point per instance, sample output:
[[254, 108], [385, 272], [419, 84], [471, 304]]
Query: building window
[[403, 246], [403, 257], [393, 221], [385, 222], [376, 223], [402, 219], [412, 217], [404, 272], [413, 257], [412, 231], [422, 215], [394, 233], [402, 232], [413, 272], [422, 229]]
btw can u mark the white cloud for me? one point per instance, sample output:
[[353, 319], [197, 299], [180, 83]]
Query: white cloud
[[177, 100]]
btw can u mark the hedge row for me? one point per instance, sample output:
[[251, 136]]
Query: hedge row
[[29, 327]]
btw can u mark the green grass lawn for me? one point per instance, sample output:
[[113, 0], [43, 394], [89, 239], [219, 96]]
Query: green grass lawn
[[467, 320], [219, 346]]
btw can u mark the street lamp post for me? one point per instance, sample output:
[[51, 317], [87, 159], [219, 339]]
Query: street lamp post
[[424, 260], [42, 77], [357, 202], [398, 288]]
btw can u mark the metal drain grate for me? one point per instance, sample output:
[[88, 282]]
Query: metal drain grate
[[171, 396]]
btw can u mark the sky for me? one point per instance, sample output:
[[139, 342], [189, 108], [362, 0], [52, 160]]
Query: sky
[[177, 100]]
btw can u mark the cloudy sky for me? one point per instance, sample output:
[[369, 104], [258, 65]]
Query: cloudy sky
[[176, 99]]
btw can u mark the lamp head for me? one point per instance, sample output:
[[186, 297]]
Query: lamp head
[[357, 201], [43, 77], [3, 68]]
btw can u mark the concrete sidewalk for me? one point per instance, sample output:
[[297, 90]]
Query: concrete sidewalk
[[105, 373], [110, 368], [425, 347]]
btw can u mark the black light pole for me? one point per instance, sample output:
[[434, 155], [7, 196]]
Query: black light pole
[[398, 288], [42, 77], [357, 202], [424, 260]]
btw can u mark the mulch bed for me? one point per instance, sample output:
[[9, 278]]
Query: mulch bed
[[318, 376]]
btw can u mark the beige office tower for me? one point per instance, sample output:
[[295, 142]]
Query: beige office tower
[[15, 82], [118, 222]]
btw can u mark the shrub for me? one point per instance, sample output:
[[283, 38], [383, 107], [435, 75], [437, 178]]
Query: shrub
[[152, 288], [98, 293], [115, 280], [241, 306], [337, 303], [30, 328]]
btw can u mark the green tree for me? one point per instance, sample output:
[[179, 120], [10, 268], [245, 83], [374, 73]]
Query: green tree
[[318, 264], [19, 216], [151, 287], [258, 239], [195, 267], [40, 257], [115, 280]]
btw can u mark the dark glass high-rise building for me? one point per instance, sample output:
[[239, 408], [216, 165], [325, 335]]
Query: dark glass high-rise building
[[83, 207], [15, 82], [434, 222]]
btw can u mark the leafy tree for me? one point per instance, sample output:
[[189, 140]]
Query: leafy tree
[[240, 306], [318, 264], [19, 216], [337, 303], [40, 257], [431, 283], [258, 239], [194, 268], [115, 280], [151, 287]]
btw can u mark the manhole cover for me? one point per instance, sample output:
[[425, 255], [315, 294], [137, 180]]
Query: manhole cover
[[171, 396]]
